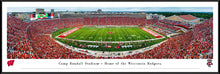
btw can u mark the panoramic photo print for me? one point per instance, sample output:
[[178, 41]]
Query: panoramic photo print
[[110, 33]]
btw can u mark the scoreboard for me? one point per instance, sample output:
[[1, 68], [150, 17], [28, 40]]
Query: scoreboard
[[41, 16]]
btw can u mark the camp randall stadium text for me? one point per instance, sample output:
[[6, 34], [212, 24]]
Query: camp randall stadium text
[[109, 63]]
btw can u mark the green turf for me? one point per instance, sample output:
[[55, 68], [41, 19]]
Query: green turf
[[119, 34]]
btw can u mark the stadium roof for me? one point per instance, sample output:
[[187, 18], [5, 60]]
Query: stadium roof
[[188, 17]]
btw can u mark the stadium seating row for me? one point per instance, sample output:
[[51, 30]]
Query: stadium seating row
[[114, 21], [161, 28], [176, 23]]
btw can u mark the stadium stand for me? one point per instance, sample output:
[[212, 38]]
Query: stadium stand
[[176, 23], [114, 21], [162, 28], [18, 44], [195, 44]]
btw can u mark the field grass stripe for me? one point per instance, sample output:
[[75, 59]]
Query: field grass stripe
[[129, 32], [126, 34], [97, 34], [123, 34], [75, 34], [79, 33], [141, 35], [118, 32], [83, 34], [149, 35], [88, 35], [106, 34]]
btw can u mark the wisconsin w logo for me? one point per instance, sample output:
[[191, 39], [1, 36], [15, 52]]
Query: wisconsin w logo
[[10, 62]]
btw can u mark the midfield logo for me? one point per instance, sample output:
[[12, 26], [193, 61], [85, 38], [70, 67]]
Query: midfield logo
[[110, 32], [10, 62]]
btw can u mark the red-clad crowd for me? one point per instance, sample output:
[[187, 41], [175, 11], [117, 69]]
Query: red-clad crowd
[[114, 21], [18, 44], [151, 21], [176, 23], [166, 26], [31, 41], [195, 44], [44, 46], [162, 28]]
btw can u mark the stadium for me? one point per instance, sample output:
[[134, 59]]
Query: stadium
[[109, 36]]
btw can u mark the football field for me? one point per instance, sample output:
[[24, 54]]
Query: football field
[[110, 34]]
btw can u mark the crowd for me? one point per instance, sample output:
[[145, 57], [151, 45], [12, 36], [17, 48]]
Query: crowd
[[18, 44], [195, 44], [44, 46], [166, 26], [151, 21], [162, 28], [114, 21], [31, 41], [176, 23]]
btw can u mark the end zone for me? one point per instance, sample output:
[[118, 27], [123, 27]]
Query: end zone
[[68, 32], [151, 32]]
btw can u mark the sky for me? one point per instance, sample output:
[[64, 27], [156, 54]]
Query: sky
[[147, 9]]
